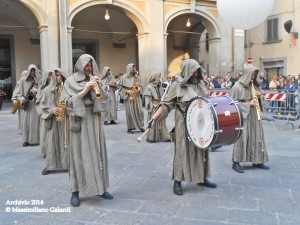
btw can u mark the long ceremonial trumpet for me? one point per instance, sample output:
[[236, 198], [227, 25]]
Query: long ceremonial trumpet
[[141, 137]]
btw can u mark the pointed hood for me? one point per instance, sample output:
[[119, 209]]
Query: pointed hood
[[37, 72], [53, 82], [81, 63]]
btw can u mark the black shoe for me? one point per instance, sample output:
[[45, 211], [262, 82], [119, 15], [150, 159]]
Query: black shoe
[[44, 156], [237, 167], [45, 171], [75, 202], [105, 123], [149, 141], [177, 188], [25, 144], [261, 166], [106, 195], [130, 131], [207, 183], [113, 122], [142, 130]]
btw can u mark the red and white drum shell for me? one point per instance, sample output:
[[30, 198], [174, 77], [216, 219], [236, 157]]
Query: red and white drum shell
[[213, 122]]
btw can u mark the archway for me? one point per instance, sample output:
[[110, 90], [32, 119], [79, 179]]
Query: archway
[[19, 40], [190, 35], [112, 42]]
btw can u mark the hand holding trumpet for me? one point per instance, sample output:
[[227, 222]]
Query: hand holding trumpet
[[94, 84]]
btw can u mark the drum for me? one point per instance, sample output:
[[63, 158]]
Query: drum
[[213, 122]]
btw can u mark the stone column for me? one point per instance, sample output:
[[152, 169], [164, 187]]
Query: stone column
[[165, 72], [52, 47], [152, 45], [63, 36], [44, 46], [143, 43], [157, 43], [214, 56], [70, 53]]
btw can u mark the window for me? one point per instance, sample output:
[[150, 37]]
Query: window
[[272, 30]]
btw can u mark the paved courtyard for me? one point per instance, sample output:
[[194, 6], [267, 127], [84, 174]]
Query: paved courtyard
[[140, 180]]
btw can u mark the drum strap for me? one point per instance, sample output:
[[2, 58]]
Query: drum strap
[[180, 110]]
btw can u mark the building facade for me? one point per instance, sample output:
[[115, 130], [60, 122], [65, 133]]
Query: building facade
[[155, 34], [275, 51]]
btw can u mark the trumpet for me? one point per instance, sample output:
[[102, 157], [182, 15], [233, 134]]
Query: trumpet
[[95, 88]]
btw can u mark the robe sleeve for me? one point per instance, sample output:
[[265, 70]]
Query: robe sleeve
[[168, 103], [78, 105]]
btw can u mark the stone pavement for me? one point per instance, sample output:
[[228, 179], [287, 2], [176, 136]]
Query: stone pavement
[[140, 180]]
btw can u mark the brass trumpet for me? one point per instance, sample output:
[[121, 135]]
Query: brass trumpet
[[95, 88]]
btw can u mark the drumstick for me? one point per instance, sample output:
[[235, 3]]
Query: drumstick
[[141, 137]]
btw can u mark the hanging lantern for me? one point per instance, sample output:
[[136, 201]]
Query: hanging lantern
[[244, 14]]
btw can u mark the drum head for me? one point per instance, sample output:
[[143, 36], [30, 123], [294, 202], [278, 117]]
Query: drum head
[[201, 122]]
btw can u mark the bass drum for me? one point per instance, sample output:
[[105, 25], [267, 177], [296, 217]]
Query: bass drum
[[213, 122]]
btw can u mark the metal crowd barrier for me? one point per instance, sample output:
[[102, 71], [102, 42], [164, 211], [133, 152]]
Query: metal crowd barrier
[[278, 105], [282, 105]]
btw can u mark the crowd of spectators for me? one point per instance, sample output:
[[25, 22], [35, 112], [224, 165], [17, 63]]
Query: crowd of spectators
[[287, 83], [280, 83], [217, 81]]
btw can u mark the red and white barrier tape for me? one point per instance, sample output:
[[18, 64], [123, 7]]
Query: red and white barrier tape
[[275, 97], [217, 93], [268, 96]]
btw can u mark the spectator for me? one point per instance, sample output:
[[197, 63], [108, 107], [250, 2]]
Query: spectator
[[218, 83], [264, 83], [227, 83], [291, 88], [274, 83]]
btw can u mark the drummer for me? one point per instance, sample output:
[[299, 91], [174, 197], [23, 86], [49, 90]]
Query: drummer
[[190, 164]]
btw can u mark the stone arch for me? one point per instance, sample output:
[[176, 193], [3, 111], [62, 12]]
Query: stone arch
[[131, 11], [37, 10], [212, 27]]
